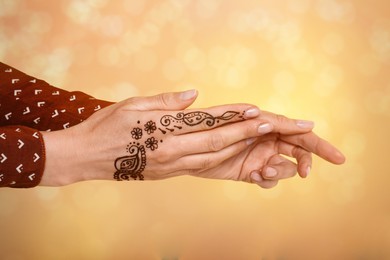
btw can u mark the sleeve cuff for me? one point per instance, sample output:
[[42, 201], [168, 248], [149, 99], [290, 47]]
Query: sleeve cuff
[[22, 157]]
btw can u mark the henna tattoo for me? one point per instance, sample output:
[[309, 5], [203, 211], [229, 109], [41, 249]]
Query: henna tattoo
[[136, 133], [151, 143], [162, 131], [195, 118], [150, 127], [131, 165]]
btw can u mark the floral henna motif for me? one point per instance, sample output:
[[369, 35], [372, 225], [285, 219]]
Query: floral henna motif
[[131, 165], [136, 133], [150, 127], [151, 143]]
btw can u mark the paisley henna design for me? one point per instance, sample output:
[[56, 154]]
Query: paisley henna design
[[194, 118], [131, 165]]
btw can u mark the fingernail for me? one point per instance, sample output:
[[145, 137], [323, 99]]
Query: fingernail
[[341, 157], [256, 177], [264, 128], [187, 95], [250, 140], [308, 171], [252, 112], [270, 172], [305, 124]]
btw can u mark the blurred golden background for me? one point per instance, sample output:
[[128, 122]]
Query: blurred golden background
[[325, 60]]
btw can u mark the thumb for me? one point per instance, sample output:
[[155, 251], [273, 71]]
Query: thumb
[[278, 168], [164, 101]]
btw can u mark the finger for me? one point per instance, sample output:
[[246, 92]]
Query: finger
[[164, 101], [303, 157], [221, 137], [195, 164], [314, 144], [263, 183], [278, 168], [285, 125], [190, 121]]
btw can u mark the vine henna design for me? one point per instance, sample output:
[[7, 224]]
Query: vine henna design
[[193, 119], [131, 165]]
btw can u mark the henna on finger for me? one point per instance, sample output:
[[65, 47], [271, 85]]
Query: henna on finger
[[193, 118]]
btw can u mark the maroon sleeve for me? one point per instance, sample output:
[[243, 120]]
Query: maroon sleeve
[[31, 102], [22, 157], [27, 106]]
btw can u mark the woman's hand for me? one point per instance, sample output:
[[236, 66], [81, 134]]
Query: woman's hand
[[262, 163], [152, 138]]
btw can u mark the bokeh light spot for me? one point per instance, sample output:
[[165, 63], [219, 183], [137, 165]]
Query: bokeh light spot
[[333, 43], [173, 70], [339, 11], [380, 42], [368, 64], [284, 82], [123, 90], [329, 78], [111, 25], [134, 8], [145, 59], [299, 6], [8, 7], [354, 144], [377, 102], [108, 55], [206, 8], [195, 59]]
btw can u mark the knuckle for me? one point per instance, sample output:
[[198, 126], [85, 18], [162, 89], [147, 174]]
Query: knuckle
[[132, 103], [216, 143], [163, 100], [131, 100], [206, 163], [193, 172], [160, 158], [118, 110], [281, 118]]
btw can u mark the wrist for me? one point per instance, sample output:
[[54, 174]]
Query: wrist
[[62, 165]]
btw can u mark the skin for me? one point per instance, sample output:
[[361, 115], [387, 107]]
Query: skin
[[236, 142]]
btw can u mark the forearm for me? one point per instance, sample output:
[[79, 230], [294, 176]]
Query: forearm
[[71, 158]]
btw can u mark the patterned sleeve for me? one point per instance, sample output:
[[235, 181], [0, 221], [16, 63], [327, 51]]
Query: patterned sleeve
[[22, 157], [27, 106]]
